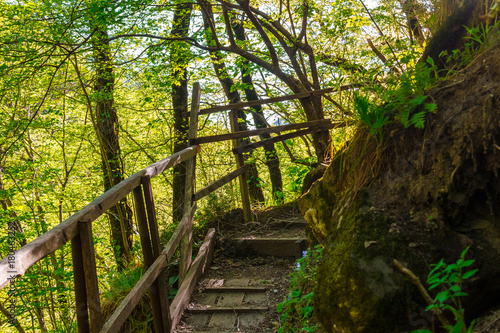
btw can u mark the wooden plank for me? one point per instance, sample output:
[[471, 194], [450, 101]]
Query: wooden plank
[[128, 304], [201, 262], [126, 307], [240, 162], [223, 320], [82, 314], [274, 99], [279, 247], [89, 267], [147, 253], [260, 131], [251, 319], [142, 222], [55, 238], [232, 289], [233, 298], [251, 146], [186, 248], [179, 232], [151, 211], [161, 281], [215, 309], [237, 282], [219, 183]]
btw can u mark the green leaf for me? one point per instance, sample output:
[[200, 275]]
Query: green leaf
[[468, 274], [467, 263], [442, 296], [464, 252], [459, 326]]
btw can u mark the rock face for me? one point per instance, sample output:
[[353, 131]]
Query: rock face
[[421, 196]]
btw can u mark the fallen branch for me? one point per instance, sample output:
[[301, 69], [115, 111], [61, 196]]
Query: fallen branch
[[422, 290]]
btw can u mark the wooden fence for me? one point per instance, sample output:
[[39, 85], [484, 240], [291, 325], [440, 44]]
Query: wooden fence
[[77, 229]]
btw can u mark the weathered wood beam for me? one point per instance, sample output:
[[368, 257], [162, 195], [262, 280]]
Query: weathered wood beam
[[202, 261], [55, 238], [219, 183], [90, 274], [215, 309], [128, 304], [179, 232], [274, 99], [279, 138], [186, 247], [126, 307], [259, 131]]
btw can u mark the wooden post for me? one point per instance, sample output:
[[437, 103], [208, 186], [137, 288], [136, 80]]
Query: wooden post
[[245, 198], [155, 239], [82, 314], [147, 252], [89, 268], [186, 248]]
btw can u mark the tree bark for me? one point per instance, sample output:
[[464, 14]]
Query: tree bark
[[179, 60], [254, 186], [414, 27], [272, 160], [120, 215]]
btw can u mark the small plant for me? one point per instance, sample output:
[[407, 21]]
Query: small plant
[[296, 311], [450, 278], [401, 98]]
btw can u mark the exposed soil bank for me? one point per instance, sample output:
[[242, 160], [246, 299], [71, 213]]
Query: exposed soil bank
[[421, 196]]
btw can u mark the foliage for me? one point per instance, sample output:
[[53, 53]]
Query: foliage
[[120, 285], [402, 98], [297, 310], [450, 279]]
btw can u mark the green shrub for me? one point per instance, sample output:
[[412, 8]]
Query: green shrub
[[297, 310]]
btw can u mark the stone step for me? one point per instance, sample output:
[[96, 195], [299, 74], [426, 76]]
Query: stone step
[[278, 247]]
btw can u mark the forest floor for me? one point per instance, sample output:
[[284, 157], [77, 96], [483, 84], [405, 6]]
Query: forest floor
[[229, 268]]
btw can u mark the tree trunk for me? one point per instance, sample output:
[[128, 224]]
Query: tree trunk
[[179, 59], [120, 215], [254, 186], [272, 160], [414, 27]]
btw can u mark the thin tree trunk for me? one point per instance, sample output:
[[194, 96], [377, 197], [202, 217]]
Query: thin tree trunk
[[179, 59], [254, 186], [414, 27], [120, 215], [272, 160]]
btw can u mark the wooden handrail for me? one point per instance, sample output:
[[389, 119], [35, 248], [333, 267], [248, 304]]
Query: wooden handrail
[[260, 131], [126, 307], [219, 183], [251, 146], [55, 238], [275, 99]]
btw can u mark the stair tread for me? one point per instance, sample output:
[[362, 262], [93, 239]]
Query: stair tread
[[233, 289], [198, 308]]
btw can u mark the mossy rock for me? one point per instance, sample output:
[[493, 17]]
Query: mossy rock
[[358, 288]]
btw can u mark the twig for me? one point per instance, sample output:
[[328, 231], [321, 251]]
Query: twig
[[422, 290]]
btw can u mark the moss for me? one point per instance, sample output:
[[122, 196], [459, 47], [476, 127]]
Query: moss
[[357, 289]]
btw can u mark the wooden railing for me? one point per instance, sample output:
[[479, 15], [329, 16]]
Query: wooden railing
[[78, 230]]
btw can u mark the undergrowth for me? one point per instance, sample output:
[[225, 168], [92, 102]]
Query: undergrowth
[[401, 98], [140, 320], [297, 310], [450, 279]]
